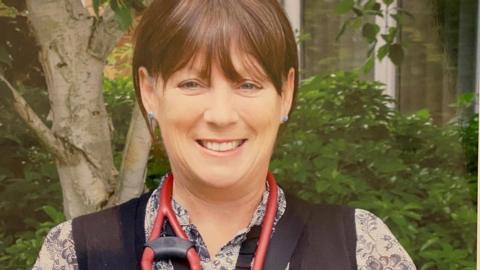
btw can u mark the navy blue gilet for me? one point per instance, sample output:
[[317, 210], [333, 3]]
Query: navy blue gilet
[[307, 237]]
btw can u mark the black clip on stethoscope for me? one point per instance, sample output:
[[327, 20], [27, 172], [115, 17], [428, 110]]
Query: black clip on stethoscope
[[161, 248]]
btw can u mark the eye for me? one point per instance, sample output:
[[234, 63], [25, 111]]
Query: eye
[[250, 86], [189, 85]]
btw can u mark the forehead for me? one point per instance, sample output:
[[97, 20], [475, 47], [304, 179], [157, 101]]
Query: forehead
[[234, 65]]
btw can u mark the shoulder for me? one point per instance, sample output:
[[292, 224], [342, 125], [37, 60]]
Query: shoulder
[[125, 211], [324, 218], [313, 210], [58, 249], [377, 247]]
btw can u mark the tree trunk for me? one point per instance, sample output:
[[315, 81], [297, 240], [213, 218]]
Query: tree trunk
[[135, 158], [74, 47]]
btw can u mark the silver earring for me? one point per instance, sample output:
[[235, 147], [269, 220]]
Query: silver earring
[[151, 118], [284, 118]]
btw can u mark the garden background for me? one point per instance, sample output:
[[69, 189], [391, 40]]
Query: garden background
[[404, 148]]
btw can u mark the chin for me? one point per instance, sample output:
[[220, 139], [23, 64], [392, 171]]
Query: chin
[[219, 180]]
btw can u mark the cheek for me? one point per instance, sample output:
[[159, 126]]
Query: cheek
[[179, 110], [177, 117], [263, 114]]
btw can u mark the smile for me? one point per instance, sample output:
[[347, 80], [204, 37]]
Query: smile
[[221, 146]]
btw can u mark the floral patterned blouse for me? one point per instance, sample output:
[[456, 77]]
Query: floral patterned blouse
[[376, 247]]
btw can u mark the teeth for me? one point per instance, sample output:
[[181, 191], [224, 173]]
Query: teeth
[[221, 147]]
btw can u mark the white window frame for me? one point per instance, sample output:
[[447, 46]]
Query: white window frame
[[293, 8], [294, 11], [477, 74], [477, 91], [385, 71]]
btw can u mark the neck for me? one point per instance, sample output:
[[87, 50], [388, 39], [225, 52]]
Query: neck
[[219, 213], [244, 196]]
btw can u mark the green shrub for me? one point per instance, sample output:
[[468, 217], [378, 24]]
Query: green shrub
[[469, 138], [345, 144], [29, 208], [20, 251], [119, 99]]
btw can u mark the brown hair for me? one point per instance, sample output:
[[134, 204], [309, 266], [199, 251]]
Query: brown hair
[[172, 33]]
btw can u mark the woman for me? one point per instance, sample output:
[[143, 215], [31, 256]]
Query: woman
[[219, 77]]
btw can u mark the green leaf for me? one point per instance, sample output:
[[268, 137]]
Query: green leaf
[[352, 22], [321, 186], [376, 7], [53, 213], [301, 36], [389, 164], [356, 23], [370, 31], [390, 36], [396, 54], [357, 11], [374, 13], [383, 51], [123, 13], [465, 100], [423, 114], [412, 205], [312, 83], [344, 6], [369, 4], [368, 66], [428, 243], [343, 28]]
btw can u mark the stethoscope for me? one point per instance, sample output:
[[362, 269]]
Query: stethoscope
[[161, 248]]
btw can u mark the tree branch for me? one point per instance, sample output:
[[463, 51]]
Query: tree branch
[[135, 157], [105, 28], [53, 144]]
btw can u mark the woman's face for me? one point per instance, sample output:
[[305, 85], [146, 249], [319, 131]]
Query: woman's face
[[220, 132]]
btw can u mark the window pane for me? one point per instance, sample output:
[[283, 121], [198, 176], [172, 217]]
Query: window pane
[[322, 53], [440, 56]]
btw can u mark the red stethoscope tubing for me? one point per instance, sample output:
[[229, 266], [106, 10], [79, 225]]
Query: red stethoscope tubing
[[165, 210], [267, 224]]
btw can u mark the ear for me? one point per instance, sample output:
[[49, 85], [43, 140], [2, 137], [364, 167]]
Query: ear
[[288, 91], [147, 86]]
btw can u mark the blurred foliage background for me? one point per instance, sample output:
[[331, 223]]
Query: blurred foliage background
[[346, 143]]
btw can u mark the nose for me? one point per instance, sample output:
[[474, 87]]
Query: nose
[[220, 109]]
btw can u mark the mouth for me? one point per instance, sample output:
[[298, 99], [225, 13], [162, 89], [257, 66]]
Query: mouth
[[221, 146]]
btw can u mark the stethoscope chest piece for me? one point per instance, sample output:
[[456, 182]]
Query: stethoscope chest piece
[[168, 247]]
